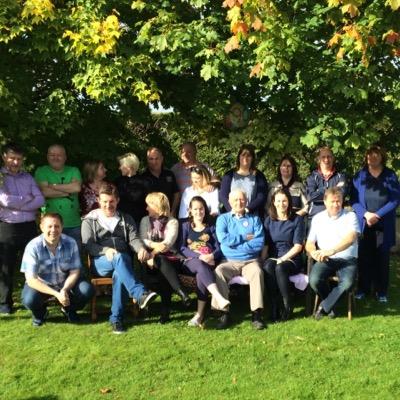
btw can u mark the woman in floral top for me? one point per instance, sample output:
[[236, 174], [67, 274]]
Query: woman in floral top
[[200, 247], [94, 173]]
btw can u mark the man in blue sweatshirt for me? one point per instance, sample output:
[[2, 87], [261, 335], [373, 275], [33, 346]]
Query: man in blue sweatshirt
[[242, 237]]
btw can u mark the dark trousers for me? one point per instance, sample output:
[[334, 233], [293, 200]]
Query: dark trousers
[[346, 271], [35, 301], [13, 239], [168, 279], [204, 276], [373, 263], [277, 280]]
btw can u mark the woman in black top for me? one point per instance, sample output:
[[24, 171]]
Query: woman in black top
[[131, 187], [284, 231]]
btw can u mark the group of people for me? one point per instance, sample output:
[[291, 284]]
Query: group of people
[[188, 221]]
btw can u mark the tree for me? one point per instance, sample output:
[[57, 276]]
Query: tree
[[308, 72]]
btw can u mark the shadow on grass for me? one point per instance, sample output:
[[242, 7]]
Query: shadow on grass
[[46, 397]]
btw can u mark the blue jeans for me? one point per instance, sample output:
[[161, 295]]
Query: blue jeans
[[35, 301], [345, 269], [124, 281], [75, 233]]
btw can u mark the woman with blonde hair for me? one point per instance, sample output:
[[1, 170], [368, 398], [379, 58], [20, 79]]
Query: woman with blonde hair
[[131, 187], [159, 232]]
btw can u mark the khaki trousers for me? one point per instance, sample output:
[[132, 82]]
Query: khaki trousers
[[250, 270]]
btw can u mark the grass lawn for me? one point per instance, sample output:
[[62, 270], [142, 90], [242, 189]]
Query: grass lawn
[[299, 359]]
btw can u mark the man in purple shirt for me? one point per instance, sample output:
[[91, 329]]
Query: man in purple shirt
[[20, 199]]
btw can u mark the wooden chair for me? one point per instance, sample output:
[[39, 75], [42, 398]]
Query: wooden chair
[[100, 284]]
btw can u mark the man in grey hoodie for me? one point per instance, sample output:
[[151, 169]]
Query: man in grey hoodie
[[110, 237]]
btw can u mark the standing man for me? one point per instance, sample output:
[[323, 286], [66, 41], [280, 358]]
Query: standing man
[[332, 243], [110, 238], [60, 185], [242, 238], [52, 266], [160, 179], [182, 169], [20, 199]]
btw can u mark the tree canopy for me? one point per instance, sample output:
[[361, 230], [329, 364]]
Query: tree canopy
[[305, 72]]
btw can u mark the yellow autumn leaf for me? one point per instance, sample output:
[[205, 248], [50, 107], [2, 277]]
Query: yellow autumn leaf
[[256, 70], [333, 3], [351, 9], [232, 44], [340, 54], [394, 4], [334, 39]]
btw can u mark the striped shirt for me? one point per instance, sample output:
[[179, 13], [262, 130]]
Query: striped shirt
[[39, 262]]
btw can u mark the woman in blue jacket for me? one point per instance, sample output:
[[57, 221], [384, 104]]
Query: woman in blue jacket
[[375, 196]]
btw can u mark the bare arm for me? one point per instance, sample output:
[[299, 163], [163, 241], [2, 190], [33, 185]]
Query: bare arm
[[296, 249], [322, 255]]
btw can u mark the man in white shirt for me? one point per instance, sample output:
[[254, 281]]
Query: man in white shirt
[[332, 243]]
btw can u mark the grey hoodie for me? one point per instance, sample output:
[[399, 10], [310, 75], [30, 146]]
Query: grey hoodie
[[97, 239]]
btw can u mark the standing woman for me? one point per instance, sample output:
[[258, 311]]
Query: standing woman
[[288, 178], [159, 232], [325, 176], [201, 184], [375, 196], [94, 173], [247, 178], [200, 246], [132, 188], [285, 235]]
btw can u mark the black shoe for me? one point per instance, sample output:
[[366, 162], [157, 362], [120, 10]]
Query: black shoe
[[331, 314], [257, 320], [286, 313], [319, 314], [118, 328], [146, 299], [71, 316], [223, 321], [164, 317], [184, 297], [36, 322]]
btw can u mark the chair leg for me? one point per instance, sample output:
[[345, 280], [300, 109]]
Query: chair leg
[[316, 301], [350, 299]]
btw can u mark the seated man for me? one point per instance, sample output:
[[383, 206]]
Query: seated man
[[242, 237], [52, 265], [109, 237], [335, 232]]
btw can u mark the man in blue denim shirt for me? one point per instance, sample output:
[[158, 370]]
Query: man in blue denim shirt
[[52, 266]]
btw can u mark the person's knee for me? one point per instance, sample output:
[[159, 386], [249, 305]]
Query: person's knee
[[86, 289], [29, 297], [269, 267], [347, 283]]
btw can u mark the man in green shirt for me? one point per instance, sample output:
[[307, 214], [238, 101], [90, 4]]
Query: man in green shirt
[[60, 185]]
